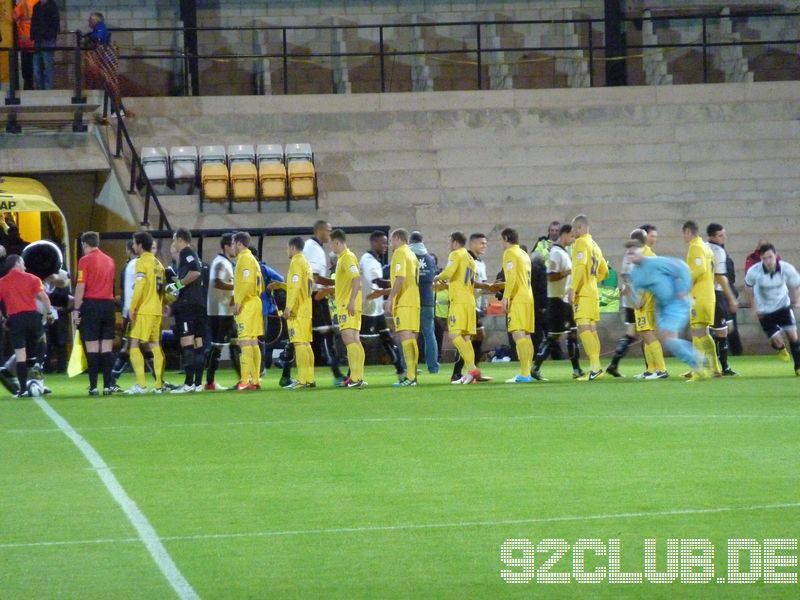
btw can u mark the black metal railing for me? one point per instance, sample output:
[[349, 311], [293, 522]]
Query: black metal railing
[[139, 176]]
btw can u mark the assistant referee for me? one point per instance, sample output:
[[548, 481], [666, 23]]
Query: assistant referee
[[94, 310]]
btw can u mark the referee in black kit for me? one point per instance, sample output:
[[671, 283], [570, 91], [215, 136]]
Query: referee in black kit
[[189, 311]]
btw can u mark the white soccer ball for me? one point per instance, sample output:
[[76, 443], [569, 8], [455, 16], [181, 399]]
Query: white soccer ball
[[35, 388]]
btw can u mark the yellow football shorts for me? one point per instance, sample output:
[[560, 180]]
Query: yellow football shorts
[[645, 320], [521, 317], [299, 330], [406, 318], [461, 319], [587, 308], [250, 321], [146, 328], [702, 314], [345, 321]]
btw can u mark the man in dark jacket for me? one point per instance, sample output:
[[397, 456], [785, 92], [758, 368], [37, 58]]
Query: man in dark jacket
[[44, 32], [427, 302]]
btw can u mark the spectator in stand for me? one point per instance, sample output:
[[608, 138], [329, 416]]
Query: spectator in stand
[[44, 33], [102, 62], [23, 13], [755, 256]]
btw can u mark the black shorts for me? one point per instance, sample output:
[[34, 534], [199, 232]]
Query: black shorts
[[629, 317], [775, 322], [25, 330], [320, 314], [98, 320], [189, 320], [721, 311], [560, 318], [223, 328], [373, 324]]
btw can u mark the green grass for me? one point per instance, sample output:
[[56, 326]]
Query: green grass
[[389, 492]]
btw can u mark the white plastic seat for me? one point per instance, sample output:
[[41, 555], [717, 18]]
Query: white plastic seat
[[183, 162], [155, 164], [299, 152]]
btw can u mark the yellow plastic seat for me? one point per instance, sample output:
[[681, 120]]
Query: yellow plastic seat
[[272, 178], [214, 180], [301, 179], [244, 181]]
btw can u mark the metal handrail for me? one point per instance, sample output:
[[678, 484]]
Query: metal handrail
[[136, 165]]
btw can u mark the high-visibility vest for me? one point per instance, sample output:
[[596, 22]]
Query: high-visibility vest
[[23, 12]]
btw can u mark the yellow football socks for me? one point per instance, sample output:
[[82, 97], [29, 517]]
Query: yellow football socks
[[245, 365], [158, 365], [137, 362], [355, 358], [466, 351], [525, 354], [655, 362], [591, 345], [411, 354]]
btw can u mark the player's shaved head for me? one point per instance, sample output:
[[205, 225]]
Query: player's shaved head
[[639, 235], [581, 220]]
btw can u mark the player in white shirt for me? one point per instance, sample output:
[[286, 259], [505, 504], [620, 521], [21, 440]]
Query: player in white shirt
[[219, 307], [725, 301], [769, 283], [373, 319], [324, 342], [559, 310]]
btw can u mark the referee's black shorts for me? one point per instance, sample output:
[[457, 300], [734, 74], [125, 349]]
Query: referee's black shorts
[[560, 318], [721, 310], [98, 320], [320, 314], [25, 330], [190, 319]]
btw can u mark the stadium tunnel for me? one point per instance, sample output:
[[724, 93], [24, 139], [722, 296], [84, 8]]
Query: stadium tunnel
[[36, 214]]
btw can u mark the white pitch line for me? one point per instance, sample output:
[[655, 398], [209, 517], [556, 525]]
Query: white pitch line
[[147, 534], [280, 422], [413, 526]]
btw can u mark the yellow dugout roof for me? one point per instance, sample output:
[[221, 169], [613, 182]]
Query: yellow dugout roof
[[21, 194]]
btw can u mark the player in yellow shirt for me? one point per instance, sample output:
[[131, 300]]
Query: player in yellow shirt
[[701, 263], [460, 275], [349, 306], [518, 301], [588, 268], [145, 313], [403, 303], [247, 288], [299, 287]]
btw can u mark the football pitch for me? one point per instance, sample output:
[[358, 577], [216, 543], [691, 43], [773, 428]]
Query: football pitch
[[409, 492]]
